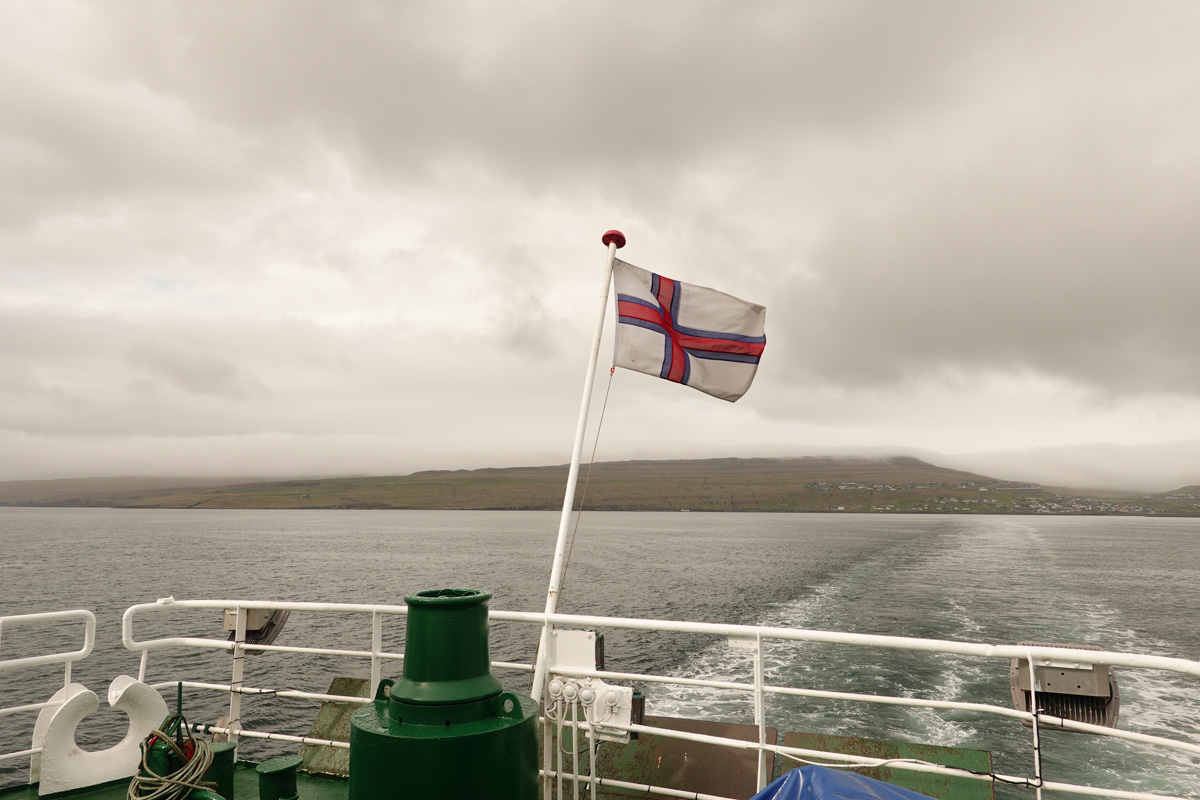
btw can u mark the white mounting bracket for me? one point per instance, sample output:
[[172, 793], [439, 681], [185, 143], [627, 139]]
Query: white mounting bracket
[[603, 705]]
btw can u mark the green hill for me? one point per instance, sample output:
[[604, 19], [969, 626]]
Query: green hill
[[884, 485]]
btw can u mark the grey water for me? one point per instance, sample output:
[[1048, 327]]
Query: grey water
[[1118, 583]]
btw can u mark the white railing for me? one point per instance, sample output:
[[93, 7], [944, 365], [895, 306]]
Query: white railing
[[560, 712], [236, 687], [67, 658]]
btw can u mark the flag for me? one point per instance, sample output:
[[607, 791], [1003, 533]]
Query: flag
[[688, 334]]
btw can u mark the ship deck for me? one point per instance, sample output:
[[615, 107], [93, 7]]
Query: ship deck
[[245, 787]]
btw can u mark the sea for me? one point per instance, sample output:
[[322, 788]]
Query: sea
[[1119, 583]]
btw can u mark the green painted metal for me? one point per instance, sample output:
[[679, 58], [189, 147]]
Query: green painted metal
[[309, 787], [245, 780], [446, 657], [277, 778], [445, 728], [942, 787], [220, 771], [493, 758]]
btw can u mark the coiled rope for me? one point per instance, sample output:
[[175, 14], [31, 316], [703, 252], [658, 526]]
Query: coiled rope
[[148, 785]]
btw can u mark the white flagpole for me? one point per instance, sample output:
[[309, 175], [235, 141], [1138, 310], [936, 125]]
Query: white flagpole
[[614, 240]]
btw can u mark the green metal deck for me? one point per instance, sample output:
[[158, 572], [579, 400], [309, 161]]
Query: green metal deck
[[649, 759], [652, 759], [245, 787]]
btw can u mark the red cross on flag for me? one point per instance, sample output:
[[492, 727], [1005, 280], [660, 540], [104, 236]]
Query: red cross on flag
[[688, 334]]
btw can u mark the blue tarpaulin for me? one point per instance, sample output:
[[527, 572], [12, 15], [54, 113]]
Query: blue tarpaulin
[[821, 783]]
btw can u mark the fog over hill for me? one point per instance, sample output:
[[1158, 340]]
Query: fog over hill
[[1136, 468]]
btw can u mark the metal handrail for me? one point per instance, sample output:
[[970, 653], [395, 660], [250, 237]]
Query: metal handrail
[[751, 636], [67, 658]]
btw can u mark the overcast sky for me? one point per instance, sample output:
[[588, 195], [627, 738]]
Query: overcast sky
[[323, 238]]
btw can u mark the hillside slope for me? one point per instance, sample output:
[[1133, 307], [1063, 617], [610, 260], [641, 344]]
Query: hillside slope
[[898, 484]]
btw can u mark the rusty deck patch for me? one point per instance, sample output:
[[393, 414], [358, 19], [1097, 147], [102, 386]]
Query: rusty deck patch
[[688, 766], [333, 722]]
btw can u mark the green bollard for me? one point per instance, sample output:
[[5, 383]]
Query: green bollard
[[220, 771], [277, 778], [448, 729]]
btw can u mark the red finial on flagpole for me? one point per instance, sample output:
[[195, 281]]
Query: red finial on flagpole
[[613, 237]]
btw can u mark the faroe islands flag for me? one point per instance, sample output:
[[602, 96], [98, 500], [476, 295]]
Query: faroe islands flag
[[706, 339]]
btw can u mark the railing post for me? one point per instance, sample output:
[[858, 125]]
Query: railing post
[[1037, 744], [574, 748], [236, 683], [558, 746], [760, 711], [376, 650], [547, 737], [592, 755]]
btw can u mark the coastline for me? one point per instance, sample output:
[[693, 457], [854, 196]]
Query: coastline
[[799, 485]]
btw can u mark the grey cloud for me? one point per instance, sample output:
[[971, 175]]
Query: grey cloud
[[303, 222], [73, 145], [189, 376], [196, 372], [608, 93], [20, 383], [1083, 270], [568, 97]]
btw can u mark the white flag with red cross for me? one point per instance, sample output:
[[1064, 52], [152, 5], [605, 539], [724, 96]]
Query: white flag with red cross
[[688, 334]]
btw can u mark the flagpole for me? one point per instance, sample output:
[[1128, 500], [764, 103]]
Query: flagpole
[[614, 240]]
